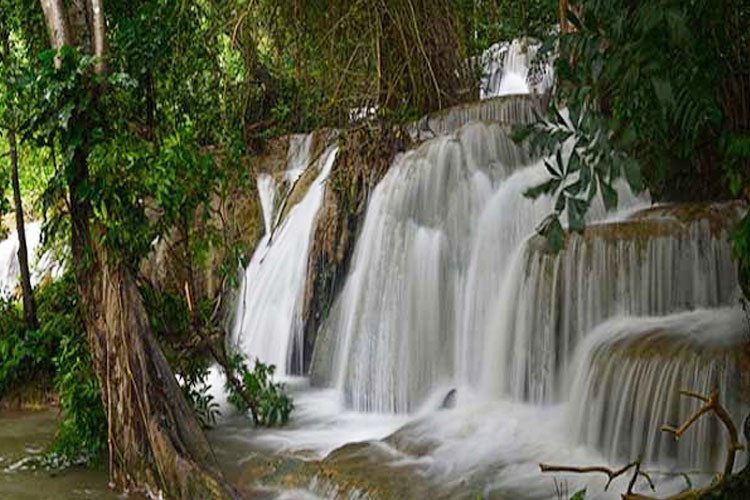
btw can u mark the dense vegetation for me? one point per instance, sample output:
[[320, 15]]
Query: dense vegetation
[[128, 143]]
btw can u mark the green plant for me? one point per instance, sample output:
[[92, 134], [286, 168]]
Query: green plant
[[193, 381], [81, 436], [654, 93], [58, 350], [271, 405], [24, 354]]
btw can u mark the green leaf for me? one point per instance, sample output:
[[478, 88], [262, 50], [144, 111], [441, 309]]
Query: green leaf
[[609, 195], [555, 234], [521, 133], [663, 90], [576, 212], [579, 495], [545, 188], [633, 175], [554, 173]]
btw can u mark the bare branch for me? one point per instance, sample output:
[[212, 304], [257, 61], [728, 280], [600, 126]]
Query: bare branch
[[611, 474], [712, 405]]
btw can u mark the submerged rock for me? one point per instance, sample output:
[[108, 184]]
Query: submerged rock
[[449, 401]]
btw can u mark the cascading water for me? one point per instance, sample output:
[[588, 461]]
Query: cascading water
[[408, 267], [449, 288], [628, 378], [508, 69], [437, 239], [10, 269], [267, 321], [552, 301]]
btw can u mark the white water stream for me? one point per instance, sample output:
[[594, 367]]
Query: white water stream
[[267, 321], [10, 270]]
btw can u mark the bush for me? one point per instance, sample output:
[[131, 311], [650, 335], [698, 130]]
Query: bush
[[58, 350], [272, 405]]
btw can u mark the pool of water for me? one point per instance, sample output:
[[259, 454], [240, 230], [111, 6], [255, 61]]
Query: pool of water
[[25, 435]]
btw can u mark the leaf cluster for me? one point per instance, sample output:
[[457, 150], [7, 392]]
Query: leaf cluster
[[272, 405]]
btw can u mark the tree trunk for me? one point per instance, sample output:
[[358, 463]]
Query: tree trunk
[[153, 438], [29, 305]]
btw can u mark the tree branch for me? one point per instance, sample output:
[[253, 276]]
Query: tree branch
[[712, 405]]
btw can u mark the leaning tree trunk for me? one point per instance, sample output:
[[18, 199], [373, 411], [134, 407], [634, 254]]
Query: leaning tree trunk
[[153, 437]]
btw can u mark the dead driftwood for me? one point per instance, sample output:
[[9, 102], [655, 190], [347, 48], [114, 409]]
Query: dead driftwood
[[711, 404]]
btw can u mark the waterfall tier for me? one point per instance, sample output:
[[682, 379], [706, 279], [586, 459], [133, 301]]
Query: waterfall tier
[[437, 238], [510, 69], [267, 322], [651, 264], [627, 381], [10, 267], [505, 110]]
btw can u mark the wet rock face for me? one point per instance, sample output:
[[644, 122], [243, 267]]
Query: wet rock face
[[361, 471]]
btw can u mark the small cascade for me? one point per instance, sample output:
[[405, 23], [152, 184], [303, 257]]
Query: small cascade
[[505, 110], [10, 268], [628, 374], [509, 70], [267, 196], [406, 320], [390, 335], [267, 321], [298, 156], [647, 265]]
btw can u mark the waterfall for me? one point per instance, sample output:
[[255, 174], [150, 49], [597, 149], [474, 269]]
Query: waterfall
[[507, 70], [573, 358], [389, 337], [638, 267], [267, 196], [10, 269], [267, 321], [439, 232], [627, 377]]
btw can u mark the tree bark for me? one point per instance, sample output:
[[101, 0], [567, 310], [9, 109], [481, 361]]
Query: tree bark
[[154, 439], [29, 304]]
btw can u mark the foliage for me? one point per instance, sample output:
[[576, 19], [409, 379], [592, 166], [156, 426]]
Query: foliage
[[579, 495], [193, 380], [24, 355], [272, 406], [650, 89], [57, 350], [81, 436]]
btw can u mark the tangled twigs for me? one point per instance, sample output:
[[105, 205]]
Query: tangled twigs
[[611, 474], [712, 404]]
